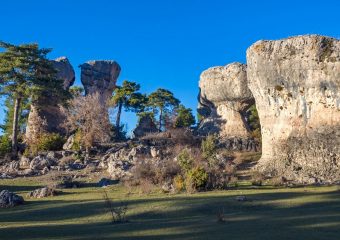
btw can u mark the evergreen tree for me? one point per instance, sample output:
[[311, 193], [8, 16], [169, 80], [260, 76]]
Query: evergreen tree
[[184, 118], [9, 113], [128, 97], [162, 101], [25, 72]]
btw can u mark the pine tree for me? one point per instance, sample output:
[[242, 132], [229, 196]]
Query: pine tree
[[162, 101], [127, 97], [25, 72]]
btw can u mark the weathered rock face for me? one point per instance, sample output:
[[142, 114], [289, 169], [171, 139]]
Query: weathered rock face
[[145, 126], [296, 83], [100, 76], [9, 199], [224, 98], [42, 193], [45, 114]]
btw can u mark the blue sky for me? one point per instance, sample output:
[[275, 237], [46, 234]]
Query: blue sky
[[161, 43]]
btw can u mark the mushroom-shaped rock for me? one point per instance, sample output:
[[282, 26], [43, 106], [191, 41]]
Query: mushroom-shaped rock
[[65, 71], [45, 112], [224, 98], [100, 76], [296, 83]]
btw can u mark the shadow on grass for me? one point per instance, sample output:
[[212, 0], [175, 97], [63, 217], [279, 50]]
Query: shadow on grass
[[184, 217]]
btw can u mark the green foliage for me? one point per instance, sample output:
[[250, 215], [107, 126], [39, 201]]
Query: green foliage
[[76, 91], [9, 115], [162, 101], [185, 160], [120, 133], [208, 147], [196, 178], [150, 115], [254, 122], [46, 142], [5, 145], [128, 97], [184, 118], [76, 146]]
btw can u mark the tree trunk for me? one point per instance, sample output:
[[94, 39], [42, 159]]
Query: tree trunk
[[15, 127], [120, 106], [160, 119]]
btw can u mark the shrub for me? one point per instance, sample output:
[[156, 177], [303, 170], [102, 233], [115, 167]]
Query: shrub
[[118, 213], [185, 160], [5, 145], [196, 178], [179, 183], [168, 170], [208, 147], [51, 142], [76, 146]]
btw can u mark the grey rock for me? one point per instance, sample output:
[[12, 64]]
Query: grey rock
[[42, 193], [9, 199], [42, 161], [100, 77], [69, 143], [106, 182]]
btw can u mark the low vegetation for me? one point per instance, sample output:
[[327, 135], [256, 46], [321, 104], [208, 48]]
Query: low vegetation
[[81, 213]]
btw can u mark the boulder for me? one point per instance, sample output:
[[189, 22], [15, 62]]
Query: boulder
[[45, 113], [106, 182], [42, 193], [100, 77], [223, 100], [41, 161], [296, 85], [9, 199], [69, 143]]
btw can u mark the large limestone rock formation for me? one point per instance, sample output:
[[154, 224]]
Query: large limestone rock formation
[[100, 76], [296, 83], [45, 115], [224, 97]]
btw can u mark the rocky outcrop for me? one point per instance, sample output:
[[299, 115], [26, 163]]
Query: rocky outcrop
[[9, 199], [296, 83], [145, 126], [224, 98], [42, 193], [100, 77], [45, 114]]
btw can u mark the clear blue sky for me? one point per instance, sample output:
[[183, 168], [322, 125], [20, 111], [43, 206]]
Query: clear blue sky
[[161, 43]]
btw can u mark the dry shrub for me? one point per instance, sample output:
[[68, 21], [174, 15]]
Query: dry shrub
[[144, 170], [117, 213], [146, 186], [167, 171], [179, 183], [88, 115], [217, 179], [220, 216], [276, 181], [257, 178]]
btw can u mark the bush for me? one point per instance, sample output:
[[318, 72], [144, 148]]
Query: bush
[[196, 178], [46, 142], [208, 147], [51, 142], [185, 160], [179, 183], [5, 145], [76, 146]]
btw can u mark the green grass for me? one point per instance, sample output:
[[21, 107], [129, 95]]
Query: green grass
[[286, 213]]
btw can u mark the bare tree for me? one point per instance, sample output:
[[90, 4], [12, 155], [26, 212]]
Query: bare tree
[[88, 115]]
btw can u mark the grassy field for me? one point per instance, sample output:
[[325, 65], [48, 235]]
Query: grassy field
[[271, 213]]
